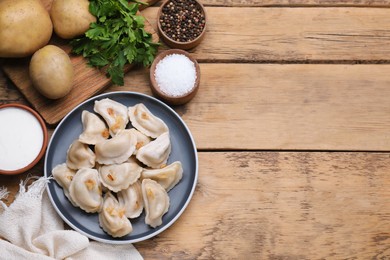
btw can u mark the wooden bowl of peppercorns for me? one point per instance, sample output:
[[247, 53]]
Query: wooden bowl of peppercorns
[[182, 23]]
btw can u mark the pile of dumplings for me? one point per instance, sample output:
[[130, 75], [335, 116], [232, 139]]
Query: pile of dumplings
[[117, 172]]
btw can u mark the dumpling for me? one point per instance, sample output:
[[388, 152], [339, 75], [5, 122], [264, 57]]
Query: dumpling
[[79, 156], [131, 199], [155, 154], [156, 202], [95, 129], [141, 139], [117, 177], [85, 190], [167, 177], [112, 218], [64, 176], [133, 159], [114, 113], [117, 149], [145, 122]]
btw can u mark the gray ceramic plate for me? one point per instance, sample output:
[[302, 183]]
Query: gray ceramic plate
[[183, 149]]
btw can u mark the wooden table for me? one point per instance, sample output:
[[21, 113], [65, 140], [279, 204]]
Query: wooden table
[[292, 125]]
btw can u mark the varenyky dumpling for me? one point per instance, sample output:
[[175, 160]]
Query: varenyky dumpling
[[167, 177], [64, 176], [132, 159], [117, 149], [79, 156], [145, 122], [156, 202], [155, 154], [131, 199], [114, 113], [95, 129], [142, 139], [85, 190], [112, 218], [117, 177]]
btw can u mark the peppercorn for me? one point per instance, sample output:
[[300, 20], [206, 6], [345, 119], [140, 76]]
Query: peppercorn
[[182, 20]]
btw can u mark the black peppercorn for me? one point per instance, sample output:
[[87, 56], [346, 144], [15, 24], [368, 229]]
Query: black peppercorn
[[186, 19]]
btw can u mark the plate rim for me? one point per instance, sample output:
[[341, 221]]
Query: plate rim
[[155, 233]]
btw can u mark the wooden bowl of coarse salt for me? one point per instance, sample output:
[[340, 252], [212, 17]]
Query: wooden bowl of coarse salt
[[175, 77]]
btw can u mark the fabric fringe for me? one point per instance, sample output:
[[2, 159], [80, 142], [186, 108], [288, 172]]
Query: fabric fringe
[[35, 189], [3, 195]]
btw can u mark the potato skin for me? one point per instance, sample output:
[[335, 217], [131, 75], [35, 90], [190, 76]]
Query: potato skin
[[71, 18], [51, 72], [25, 26]]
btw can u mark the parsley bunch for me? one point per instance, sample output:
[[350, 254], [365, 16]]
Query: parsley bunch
[[118, 37]]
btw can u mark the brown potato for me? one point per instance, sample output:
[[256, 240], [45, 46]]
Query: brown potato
[[25, 26], [51, 72], [71, 18]]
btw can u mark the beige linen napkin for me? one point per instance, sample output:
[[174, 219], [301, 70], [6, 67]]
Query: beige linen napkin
[[33, 230]]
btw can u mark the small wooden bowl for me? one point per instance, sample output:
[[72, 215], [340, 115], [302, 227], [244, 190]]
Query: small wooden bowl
[[173, 100], [176, 44], [44, 141]]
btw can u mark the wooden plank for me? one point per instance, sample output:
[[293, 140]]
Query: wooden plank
[[293, 34], [48, 3], [8, 92], [270, 106], [278, 205], [293, 3]]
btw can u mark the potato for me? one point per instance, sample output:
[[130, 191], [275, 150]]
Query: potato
[[71, 18], [25, 26], [51, 72]]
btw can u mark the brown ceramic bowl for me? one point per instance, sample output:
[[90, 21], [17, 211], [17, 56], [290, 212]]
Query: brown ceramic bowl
[[44, 142], [173, 100], [176, 44]]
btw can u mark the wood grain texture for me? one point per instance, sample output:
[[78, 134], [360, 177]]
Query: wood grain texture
[[48, 3], [87, 82], [148, 3], [8, 93], [283, 206], [293, 34], [297, 107], [293, 3]]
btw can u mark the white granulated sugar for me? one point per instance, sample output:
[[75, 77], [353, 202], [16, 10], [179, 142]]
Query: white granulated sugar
[[175, 75]]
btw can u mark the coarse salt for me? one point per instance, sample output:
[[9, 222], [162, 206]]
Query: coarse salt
[[175, 75]]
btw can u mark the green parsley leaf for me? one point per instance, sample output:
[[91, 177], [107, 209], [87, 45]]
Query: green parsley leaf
[[116, 39]]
